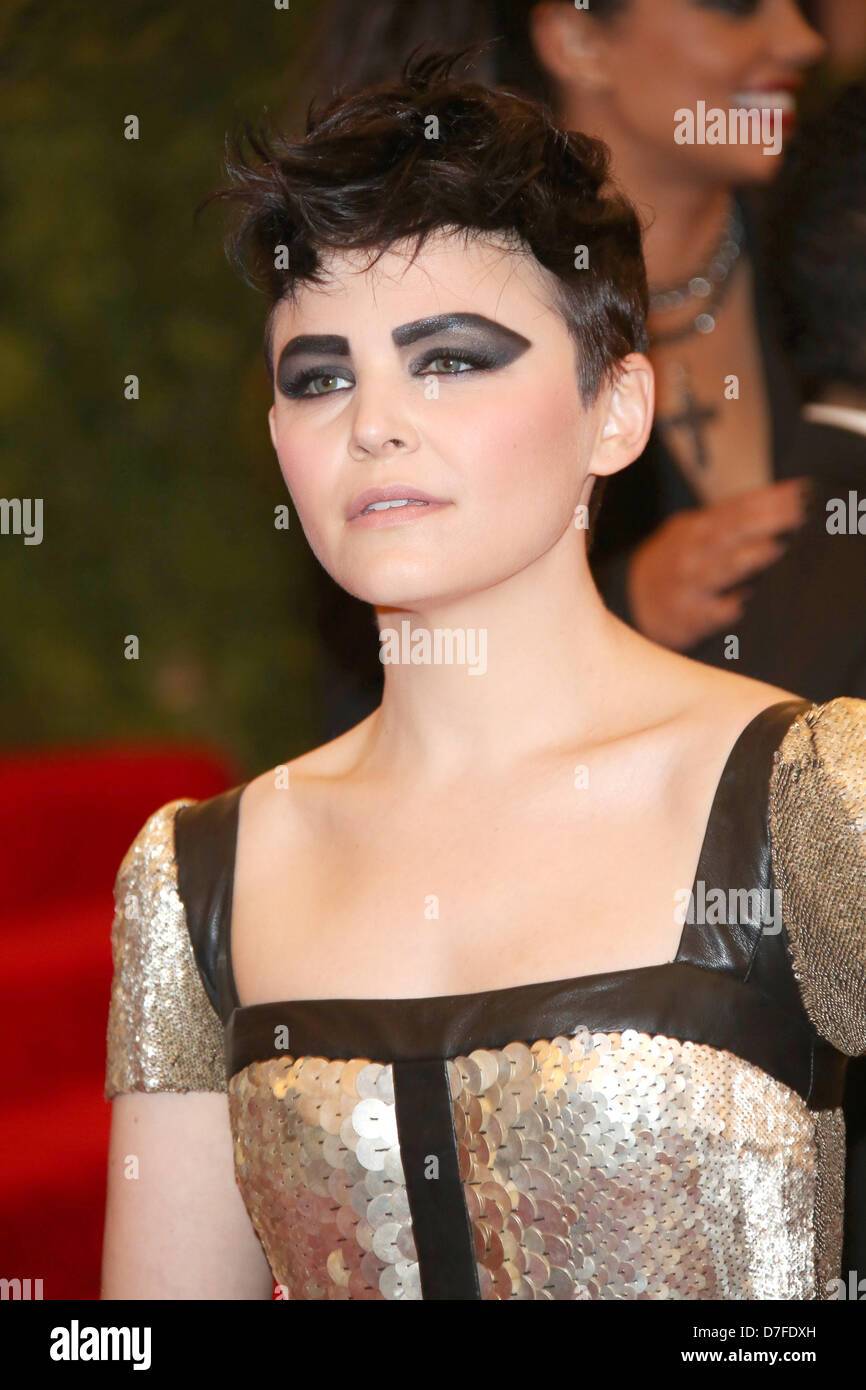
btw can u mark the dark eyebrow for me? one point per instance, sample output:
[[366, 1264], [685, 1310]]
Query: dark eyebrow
[[316, 344], [331, 345], [447, 323]]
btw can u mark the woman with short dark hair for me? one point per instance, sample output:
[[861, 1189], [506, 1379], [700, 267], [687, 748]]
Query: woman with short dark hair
[[530, 985]]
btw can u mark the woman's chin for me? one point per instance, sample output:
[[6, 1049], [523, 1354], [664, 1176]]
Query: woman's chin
[[740, 165], [405, 598], [758, 169], [396, 581]]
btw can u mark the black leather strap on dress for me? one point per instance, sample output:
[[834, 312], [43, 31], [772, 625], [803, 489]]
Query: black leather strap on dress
[[736, 849], [730, 986], [205, 843], [428, 1152], [677, 1000], [736, 857]]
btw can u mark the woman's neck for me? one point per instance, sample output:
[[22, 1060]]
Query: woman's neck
[[686, 216], [555, 667], [687, 226]]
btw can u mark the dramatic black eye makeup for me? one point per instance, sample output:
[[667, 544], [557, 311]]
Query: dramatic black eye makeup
[[475, 343]]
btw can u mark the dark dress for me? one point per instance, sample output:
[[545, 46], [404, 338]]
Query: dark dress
[[642, 496], [666, 1132], [805, 627]]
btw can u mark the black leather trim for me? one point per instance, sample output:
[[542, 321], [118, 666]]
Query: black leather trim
[[736, 849], [440, 1220], [758, 1015], [677, 1000], [205, 841]]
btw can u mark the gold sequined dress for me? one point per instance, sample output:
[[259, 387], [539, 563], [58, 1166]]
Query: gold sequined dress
[[671, 1131]]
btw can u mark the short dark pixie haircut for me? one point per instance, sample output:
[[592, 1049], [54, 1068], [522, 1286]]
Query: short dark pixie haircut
[[367, 175]]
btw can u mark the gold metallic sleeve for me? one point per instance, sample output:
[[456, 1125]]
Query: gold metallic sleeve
[[818, 844], [163, 1032]]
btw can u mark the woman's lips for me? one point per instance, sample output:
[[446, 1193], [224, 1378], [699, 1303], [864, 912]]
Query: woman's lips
[[396, 516], [782, 99]]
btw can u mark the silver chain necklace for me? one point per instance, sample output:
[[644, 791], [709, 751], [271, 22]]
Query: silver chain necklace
[[708, 285]]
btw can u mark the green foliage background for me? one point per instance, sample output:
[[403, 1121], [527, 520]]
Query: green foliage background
[[158, 513]]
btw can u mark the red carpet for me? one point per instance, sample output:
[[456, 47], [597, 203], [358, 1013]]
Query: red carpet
[[66, 820]]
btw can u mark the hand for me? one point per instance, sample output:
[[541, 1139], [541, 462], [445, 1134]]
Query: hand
[[678, 574]]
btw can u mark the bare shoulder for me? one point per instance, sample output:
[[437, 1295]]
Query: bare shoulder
[[281, 799], [693, 712], [714, 707], [681, 699], [719, 695]]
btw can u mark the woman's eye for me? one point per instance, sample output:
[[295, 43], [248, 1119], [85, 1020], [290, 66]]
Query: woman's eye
[[312, 382], [327, 388], [448, 370]]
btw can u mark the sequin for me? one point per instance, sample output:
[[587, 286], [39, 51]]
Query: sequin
[[331, 1212], [818, 840], [631, 1167], [619, 1183], [829, 1196], [163, 1032]]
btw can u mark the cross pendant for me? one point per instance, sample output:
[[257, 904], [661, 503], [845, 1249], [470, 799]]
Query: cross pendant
[[692, 418]]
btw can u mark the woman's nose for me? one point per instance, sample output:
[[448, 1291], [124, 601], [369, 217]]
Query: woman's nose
[[796, 39], [381, 422]]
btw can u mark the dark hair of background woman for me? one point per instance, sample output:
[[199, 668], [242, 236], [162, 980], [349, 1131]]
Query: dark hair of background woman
[[370, 40]]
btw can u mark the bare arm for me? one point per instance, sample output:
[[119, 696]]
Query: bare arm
[[179, 1229]]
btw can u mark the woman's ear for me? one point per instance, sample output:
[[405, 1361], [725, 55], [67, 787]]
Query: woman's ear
[[625, 415], [569, 44]]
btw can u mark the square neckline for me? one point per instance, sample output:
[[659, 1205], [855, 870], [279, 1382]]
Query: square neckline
[[568, 981]]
